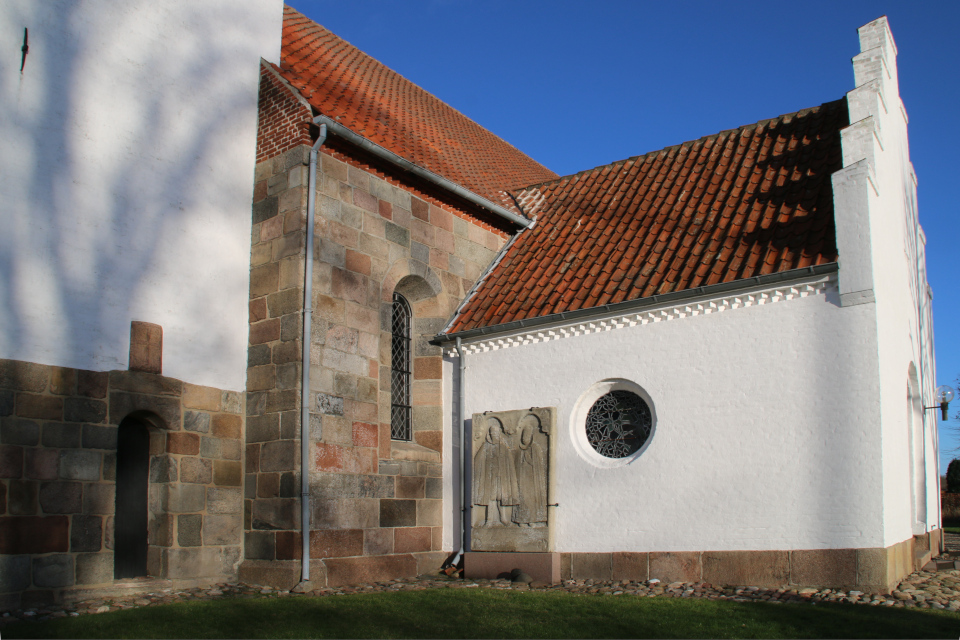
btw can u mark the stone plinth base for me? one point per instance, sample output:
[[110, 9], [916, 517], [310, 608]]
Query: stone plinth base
[[870, 570], [507, 539], [542, 567]]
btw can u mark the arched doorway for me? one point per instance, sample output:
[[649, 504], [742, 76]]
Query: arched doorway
[[130, 529]]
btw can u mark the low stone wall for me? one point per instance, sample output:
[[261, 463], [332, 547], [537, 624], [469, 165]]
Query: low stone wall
[[58, 461]]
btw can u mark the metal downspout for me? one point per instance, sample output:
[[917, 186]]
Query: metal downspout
[[305, 363], [464, 498]]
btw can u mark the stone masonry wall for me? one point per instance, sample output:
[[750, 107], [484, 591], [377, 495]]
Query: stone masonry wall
[[58, 455], [376, 503]]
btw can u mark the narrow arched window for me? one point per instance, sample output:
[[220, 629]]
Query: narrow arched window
[[401, 424]]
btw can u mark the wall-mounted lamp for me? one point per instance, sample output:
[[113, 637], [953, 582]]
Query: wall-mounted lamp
[[943, 395]]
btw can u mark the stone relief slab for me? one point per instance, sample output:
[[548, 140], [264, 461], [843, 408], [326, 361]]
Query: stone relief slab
[[512, 480]]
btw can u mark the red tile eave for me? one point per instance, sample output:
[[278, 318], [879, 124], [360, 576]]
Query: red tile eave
[[745, 202], [342, 82]]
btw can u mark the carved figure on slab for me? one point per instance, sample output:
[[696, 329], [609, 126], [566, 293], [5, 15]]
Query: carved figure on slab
[[531, 474], [495, 476]]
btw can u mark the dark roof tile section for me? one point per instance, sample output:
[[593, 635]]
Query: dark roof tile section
[[343, 83], [742, 203]]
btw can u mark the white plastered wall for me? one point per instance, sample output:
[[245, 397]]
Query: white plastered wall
[[127, 148], [881, 259], [766, 435]]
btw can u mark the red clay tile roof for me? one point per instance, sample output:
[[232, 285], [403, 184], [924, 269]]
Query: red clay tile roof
[[343, 83], [745, 202]]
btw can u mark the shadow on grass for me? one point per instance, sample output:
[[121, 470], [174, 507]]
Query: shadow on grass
[[483, 613]]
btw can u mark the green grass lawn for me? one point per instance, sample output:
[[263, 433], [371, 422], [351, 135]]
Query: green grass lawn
[[487, 613]]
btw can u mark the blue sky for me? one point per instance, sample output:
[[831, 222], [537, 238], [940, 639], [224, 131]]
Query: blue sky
[[576, 85]]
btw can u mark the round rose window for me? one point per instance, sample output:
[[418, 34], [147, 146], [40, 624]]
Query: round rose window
[[618, 424]]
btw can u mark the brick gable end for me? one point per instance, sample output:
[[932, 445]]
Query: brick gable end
[[284, 121]]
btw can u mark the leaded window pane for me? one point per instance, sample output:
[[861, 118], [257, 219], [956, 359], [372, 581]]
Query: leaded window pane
[[618, 424], [401, 424]]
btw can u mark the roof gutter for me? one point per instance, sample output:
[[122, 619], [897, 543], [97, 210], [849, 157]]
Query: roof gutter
[[343, 132], [640, 303]]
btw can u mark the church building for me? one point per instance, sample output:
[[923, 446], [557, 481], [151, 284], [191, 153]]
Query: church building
[[287, 318]]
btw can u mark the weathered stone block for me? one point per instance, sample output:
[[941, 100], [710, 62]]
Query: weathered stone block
[[6, 402], [263, 428], [210, 447], [266, 209], [290, 485], [53, 571], [429, 513], [122, 404], [99, 437], [226, 425], [99, 498], [86, 533], [84, 410], [231, 401], [197, 421], [397, 234], [434, 488], [110, 466], [80, 465], [11, 461], [377, 542], [222, 529], [141, 382], [276, 513], [227, 473], [182, 498], [411, 539], [197, 562], [92, 384], [411, 487], [759, 568], [183, 443], [260, 545], [189, 530], [398, 513], [675, 566], [22, 499], [40, 464], [196, 470], [200, 397], [262, 378], [14, 573], [345, 514], [279, 455], [163, 469], [34, 534], [146, 347], [24, 376], [94, 568], [61, 497], [63, 381], [19, 431], [821, 568], [336, 543], [342, 571], [31, 405], [224, 501], [597, 566], [160, 529], [60, 435]]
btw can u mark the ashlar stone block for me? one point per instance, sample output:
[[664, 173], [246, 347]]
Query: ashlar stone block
[[53, 571]]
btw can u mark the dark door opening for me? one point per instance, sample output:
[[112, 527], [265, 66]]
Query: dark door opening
[[130, 528]]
